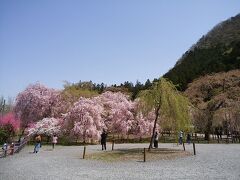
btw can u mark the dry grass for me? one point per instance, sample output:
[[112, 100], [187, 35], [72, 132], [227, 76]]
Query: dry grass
[[136, 154]]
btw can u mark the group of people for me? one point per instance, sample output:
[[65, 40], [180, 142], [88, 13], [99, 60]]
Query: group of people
[[155, 139], [38, 144], [8, 149], [38, 140], [180, 138], [104, 139], [104, 135]]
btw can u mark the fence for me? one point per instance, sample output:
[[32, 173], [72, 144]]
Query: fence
[[15, 148]]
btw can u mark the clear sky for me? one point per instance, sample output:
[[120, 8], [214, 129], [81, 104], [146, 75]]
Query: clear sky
[[109, 41]]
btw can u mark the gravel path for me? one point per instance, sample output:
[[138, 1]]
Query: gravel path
[[213, 161]]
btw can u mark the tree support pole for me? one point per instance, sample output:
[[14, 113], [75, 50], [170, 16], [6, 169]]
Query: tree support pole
[[84, 152], [194, 149], [144, 155], [112, 145]]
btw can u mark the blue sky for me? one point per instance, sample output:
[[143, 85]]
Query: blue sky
[[107, 41]]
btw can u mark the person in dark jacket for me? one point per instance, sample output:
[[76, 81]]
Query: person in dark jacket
[[104, 139], [156, 140], [188, 138]]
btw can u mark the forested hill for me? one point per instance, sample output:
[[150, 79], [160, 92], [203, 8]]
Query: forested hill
[[217, 51], [216, 99]]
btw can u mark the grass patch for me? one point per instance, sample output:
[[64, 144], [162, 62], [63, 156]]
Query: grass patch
[[136, 154]]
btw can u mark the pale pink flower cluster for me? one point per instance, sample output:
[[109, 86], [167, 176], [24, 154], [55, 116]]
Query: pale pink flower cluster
[[85, 116], [34, 103], [46, 126], [118, 112]]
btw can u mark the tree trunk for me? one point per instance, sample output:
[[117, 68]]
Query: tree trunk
[[48, 139], [208, 128], [22, 133], [154, 127], [206, 136]]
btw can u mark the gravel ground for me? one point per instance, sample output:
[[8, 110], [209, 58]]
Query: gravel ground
[[213, 161]]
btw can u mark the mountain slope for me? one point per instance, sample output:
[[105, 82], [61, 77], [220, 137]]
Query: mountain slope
[[218, 51]]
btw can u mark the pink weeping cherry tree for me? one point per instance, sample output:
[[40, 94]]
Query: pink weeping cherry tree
[[37, 102], [118, 112], [59, 104], [84, 120], [143, 124]]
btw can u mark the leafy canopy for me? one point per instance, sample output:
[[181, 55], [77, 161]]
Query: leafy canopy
[[171, 107]]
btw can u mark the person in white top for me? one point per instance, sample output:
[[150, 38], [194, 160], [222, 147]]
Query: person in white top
[[54, 140], [180, 140]]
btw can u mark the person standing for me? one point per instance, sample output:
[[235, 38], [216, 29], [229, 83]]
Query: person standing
[[180, 137], [156, 140], [104, 139], [188, 138], [54, 140], [38, 143], [12, 148], [220, 133], [5, 148]]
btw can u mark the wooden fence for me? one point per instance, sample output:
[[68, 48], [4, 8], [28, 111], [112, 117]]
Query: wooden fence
[[14, 148]]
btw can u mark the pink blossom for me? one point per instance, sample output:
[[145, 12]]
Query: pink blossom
[[47, 126], [85, 120], [118, 111], [10, 118], [37, 102]]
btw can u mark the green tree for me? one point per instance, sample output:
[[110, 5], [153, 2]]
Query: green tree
[[167, 102], [72, 92]]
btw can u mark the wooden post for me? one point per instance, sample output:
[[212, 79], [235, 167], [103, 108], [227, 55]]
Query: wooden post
[[194, 149], [144, 155], [112, 145], [84, 152], [5, 153], [183, 146]]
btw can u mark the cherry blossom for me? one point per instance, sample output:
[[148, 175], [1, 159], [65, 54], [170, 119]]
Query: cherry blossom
[[46, 126], [84, 119], [10, 119], [118, 111], [37, 102]]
